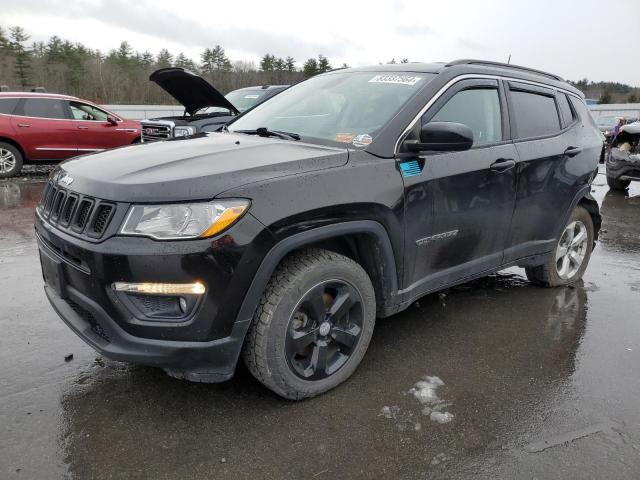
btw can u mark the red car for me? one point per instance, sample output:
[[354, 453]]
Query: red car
[[47, 127]]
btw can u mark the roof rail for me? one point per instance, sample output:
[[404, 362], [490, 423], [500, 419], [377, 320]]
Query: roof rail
[[468, 61]]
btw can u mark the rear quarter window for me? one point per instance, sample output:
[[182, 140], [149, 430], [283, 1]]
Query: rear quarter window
[[566, 112], [535, 114], [583, 112], [8, 105]]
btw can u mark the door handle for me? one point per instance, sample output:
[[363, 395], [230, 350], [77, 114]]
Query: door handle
[[572, 151], [503, 164], [83, 127], [23, 125]]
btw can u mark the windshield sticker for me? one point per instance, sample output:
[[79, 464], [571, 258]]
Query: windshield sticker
[[362, 140], [397, 79], [252, 96], [344, 137]]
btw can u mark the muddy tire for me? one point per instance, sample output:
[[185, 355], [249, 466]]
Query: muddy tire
[[312, 326], [571, 255], [10, 160], [617, 184]]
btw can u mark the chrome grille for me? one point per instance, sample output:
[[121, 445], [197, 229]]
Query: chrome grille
[[70, 211], [152, 132]]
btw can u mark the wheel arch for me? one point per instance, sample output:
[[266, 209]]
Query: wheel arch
[[591, 205], [365, 241], [13, 142]]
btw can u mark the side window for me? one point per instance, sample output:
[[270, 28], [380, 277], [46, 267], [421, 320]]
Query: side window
[[41, 108], [83, 111], [566, 112], [478, 109], [582, 111], [8, 105], [535, 114]]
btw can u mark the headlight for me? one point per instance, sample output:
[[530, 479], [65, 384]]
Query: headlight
[[183, 220], [183, 131]]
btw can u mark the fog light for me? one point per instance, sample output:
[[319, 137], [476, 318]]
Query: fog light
[[195, 288], [183, 305]]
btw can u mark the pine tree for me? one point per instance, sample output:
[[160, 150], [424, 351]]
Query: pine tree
[[183, 62], [219, 59], [267, 63], [164, 59], [207, 61], [290, 64], [22, 62], [146, 59], [310, 67], [279, 65], [323, 64]]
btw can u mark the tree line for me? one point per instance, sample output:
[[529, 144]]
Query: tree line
[[608, 92], [121, 75]]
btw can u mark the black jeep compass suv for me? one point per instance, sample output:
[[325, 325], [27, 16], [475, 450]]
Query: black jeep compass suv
[[341, 200]]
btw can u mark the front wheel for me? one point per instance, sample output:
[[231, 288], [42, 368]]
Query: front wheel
[[10, 160], [617, 184], [313, 325], [572, 253]]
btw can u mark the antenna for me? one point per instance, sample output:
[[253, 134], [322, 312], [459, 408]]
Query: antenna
[[509, 60]]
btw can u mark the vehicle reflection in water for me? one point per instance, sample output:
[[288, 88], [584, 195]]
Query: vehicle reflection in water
[[620, 213], [18, 201], [504, 349]]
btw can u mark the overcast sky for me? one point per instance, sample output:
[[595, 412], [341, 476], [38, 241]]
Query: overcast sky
[[575, 39]]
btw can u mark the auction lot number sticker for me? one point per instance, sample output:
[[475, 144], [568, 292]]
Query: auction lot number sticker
[[396, 79]]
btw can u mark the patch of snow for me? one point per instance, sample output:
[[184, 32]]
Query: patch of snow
[[425, 390], [441, 417]]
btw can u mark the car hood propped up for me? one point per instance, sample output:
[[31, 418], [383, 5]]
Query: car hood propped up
[[190, 89]]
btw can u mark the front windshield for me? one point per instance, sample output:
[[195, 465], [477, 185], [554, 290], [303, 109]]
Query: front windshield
[[343, 107], [244, 99]]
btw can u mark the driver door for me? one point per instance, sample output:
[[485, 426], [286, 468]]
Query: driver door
[[459, 204], [92, 130]]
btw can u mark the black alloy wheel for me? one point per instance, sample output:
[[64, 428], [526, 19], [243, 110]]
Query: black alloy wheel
[[324, 329]]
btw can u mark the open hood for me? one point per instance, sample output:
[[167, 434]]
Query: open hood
[[191, 90]]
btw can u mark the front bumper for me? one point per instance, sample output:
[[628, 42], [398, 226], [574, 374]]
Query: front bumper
[[622, 165], [205, 345]]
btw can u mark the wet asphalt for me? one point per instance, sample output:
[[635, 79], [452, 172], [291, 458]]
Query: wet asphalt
[[528, 382]]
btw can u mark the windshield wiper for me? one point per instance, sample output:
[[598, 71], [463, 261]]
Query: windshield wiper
[[265, 132]]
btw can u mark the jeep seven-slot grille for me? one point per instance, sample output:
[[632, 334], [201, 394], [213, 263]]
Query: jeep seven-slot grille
[[80, 214]]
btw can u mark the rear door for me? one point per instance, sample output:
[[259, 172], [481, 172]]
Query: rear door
[[550, 170], [43, 129], [92, 130], [459, 204]]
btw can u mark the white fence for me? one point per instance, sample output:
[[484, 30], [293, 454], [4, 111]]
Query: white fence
[[615, 109], [140, 112]]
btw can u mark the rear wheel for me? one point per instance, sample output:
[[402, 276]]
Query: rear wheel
[[10, 160], [617, 184], [313, 325], [572, 253]]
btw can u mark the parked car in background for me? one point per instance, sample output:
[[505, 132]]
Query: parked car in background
[[205, 108], [344, 198], [623, 160], [607, 123], [48, 127]]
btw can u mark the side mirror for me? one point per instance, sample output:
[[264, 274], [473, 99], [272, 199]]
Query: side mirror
[[112, 120], [442, 137]]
